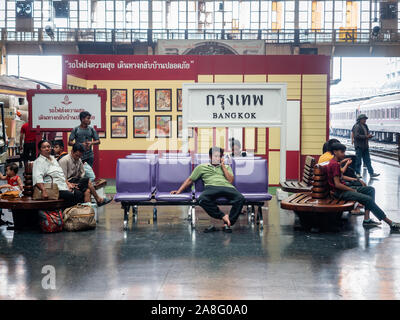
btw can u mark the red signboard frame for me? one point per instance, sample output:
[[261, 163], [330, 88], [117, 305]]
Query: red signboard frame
[[102, 93]]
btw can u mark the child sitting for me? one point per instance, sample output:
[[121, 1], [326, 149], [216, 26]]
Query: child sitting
[[14, 182], [58, 148]]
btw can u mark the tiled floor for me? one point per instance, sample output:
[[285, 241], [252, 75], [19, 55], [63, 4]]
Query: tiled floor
[[166, 260]]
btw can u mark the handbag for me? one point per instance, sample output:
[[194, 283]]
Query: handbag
[[79, 218], [51, 188], [51, 221]]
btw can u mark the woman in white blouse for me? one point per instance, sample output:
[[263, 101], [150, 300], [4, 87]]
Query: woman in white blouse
[[46, 166]]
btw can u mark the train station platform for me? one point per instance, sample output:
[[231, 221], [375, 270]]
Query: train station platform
[[166, 260]]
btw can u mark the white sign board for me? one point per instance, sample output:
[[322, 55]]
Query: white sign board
[[236, 105], [239, 104], [61, 111]]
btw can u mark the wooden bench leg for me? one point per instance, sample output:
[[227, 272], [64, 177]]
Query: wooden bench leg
[[321, 221]]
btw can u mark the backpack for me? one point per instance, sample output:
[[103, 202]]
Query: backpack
[[51, 221]]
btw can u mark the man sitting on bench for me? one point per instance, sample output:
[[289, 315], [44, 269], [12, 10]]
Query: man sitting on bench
[[74, 171], [218, 179], [362, 194]]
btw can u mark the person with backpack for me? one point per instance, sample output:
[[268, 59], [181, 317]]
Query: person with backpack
[[85, 135]]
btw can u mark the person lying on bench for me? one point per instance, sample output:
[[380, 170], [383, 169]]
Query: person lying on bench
[[218, 179], [74, 171], [362, 194]]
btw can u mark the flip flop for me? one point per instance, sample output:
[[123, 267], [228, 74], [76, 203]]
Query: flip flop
[[105, 201]]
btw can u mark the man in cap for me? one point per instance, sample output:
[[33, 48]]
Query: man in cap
[[361, 137]]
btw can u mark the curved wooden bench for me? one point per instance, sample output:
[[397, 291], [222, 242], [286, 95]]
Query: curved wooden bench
[[304, 202], [25, 209], [26, 203], [305, 184], [317, 208]]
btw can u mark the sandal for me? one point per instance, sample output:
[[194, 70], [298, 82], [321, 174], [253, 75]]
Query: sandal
[[105, 201], [210, 229]]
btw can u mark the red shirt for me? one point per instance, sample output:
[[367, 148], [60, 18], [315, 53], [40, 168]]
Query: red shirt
[[12, 181], [30, 136], [333, 170]]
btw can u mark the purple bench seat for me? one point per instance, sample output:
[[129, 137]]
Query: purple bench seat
[[153, 157], [135, 185], [171, 172], [133, 180]]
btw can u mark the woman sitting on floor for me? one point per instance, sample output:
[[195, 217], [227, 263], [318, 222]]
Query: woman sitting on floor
[[46, 167]]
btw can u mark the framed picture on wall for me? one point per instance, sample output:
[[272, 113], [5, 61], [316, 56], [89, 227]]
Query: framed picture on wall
[[179, 127], [141, 126], [119, 127], [118, 100], [179, 99], [163, 99], [141, 100], [163, 126]]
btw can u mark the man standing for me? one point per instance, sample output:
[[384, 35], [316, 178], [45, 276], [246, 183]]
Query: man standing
[[85, 135], [218, 179], [74, 172], [27, 142], [361, 137]]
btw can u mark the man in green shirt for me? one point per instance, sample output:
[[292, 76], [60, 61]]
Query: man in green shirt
[[218, 179]]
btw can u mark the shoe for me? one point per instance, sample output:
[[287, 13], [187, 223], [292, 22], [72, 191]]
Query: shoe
[[371, 223], [227, 229], [210, 229], [358, 176], [395, 226], [374, 175]]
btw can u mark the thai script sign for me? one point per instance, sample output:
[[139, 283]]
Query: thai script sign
[[59, 110], [244, 104]]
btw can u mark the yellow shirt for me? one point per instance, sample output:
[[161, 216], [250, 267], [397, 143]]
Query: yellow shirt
[[327, 156]]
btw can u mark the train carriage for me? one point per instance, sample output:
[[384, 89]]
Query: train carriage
[[383, 113]]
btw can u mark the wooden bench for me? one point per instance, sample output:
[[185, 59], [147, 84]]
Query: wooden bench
[[25, 209], [305, 184], [317, 209]]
